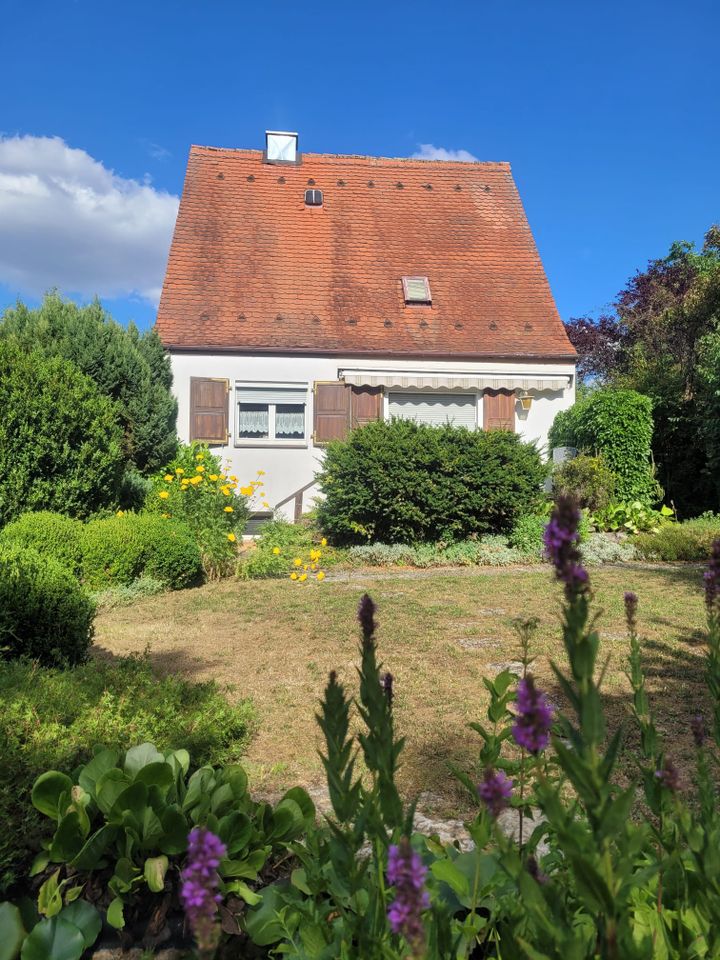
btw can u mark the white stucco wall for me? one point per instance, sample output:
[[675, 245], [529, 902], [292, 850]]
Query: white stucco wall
[[287, 468]]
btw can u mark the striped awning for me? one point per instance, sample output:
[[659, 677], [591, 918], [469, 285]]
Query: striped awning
[[403, 379]]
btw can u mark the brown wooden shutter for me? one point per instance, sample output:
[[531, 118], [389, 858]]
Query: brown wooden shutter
[[499, 410], [366, 405], [331, 411], [209, 410]]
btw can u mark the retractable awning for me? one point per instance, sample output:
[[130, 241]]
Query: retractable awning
[[438, 380]]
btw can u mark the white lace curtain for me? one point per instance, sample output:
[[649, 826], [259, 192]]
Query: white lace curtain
[[253, 419], [289, 421]]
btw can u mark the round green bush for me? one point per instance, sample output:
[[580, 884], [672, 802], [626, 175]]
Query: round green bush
[[118, 550], [51, 534], [404, 482], [45, 614], [587, 479], [60, 440]]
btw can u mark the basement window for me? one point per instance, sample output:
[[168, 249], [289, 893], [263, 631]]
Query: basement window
[[416, 290]]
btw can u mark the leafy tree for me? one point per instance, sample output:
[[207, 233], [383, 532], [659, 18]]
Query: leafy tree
[[662, 341], [60, 440], [130, 368]]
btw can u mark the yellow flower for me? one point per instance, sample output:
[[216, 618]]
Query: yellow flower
[[226, 491], [200, 456], [166, 516], [179, 471], [323, 542], [199, 468], [168, 478], [228, 509], [261, 473], [234, 479], [276, 551], [195, 481], [297, 562], [293, 576], [313, 566], [163, 494], [214, 477], [246, 491], [120, 513], [321, 575], [266, 505], [302, 578], [232, 538]]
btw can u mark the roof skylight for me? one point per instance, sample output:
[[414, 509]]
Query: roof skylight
[[416, 290]]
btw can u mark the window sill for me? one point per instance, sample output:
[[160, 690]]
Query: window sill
[[284, 444]]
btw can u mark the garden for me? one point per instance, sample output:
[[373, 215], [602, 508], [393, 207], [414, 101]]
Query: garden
[[468, 707]]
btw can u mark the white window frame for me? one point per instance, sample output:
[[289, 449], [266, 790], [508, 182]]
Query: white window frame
[[476, 394], [271, 440]]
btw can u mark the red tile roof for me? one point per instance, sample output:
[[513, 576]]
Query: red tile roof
[[253, 268]]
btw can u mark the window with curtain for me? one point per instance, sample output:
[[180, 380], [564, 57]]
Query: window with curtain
[[268, 412]]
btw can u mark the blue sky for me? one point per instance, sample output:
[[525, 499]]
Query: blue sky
[[608, 113]]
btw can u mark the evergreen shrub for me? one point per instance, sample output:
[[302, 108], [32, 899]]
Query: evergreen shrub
[[45, 614], [51, 534], [404, 482]]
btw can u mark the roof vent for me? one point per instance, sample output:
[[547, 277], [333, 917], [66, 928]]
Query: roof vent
[[313, 198], [416, 290], [281, 147]]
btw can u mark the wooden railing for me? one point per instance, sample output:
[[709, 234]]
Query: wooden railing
[[298, 498]]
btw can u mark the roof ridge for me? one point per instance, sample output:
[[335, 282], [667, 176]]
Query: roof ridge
[[249, 151]]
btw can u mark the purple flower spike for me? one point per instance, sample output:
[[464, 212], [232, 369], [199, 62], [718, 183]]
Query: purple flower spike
[[406, 872], [669, 776], [200, 882], [561, 539], [712, 580], [495, 791], [366, 615], [531, 729], [631, 606]]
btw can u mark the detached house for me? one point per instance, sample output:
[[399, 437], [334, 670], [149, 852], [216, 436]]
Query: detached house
[[308, 293]]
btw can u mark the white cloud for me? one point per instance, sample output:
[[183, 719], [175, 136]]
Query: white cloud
[[67, 221], [428, 151]]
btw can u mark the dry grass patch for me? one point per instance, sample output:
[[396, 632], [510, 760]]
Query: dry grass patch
[[440, 633]]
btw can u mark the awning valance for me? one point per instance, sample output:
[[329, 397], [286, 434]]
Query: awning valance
[[438, 380]]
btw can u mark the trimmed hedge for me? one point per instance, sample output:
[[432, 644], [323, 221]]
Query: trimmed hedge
[[51, 534], [118, 550], [617, 424], [45, 614], [404, 482]]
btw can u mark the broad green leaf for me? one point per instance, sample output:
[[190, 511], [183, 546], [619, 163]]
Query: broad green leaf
[[55, 939], [115, 915], [50, 790], [155, 870], [39, 863], [138, 757], [242, 890], [50, 896], [287, 820], [235, 775], [156, 775], [175, 831], [181, 757], [109, 787], [103, 761], [86, 918], [69, 838], [133, 800], [302, 799], [261, 922], [298, 878], [95, 846], [447, 872], [235, 831], [12, 931]]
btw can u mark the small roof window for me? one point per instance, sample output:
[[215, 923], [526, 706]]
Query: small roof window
[[416, 290], [281, 146], [313, 198]]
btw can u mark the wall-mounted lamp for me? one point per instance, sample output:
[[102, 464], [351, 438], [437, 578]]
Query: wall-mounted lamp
[[526, 400]]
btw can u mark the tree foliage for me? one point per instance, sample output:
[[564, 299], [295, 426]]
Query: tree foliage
[[130, 368], [663, 340], [60, 440]]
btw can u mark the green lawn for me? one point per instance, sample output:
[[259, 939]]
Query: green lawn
[[440, 633]]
